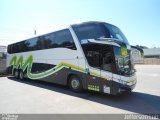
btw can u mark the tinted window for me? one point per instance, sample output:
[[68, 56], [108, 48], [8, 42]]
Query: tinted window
[[64, 39], [49, 41], [14, 48], [21, 47], [93, 58], [39, 44], [61, 38], [99, 30], [9, 49], [116, 33], [108, 62], [93, 54], [89, 31], [31, 44]]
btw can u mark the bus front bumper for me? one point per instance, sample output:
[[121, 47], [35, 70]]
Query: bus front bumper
[[127, 86]]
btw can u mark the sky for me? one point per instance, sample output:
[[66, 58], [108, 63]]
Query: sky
[[139, 20]]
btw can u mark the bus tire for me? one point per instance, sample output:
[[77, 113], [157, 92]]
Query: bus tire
[[13, 72], [75, 84], [21, 75], [16, 74]]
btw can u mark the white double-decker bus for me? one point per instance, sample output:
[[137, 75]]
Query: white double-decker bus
[[88, 56]]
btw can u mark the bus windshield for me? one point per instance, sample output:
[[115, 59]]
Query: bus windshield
[[124, 64], [99, 30], [108, 58], [116, 33]]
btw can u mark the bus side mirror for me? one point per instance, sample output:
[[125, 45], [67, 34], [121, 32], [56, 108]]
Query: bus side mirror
[[138, 49]]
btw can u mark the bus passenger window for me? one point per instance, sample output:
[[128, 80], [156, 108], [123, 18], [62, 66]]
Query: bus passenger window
[[64, 39]]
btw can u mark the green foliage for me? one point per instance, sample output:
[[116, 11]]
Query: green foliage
[[4, 55]]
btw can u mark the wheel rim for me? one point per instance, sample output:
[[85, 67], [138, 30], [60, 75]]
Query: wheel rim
[[75, 84], [16, 74], [21, 75]]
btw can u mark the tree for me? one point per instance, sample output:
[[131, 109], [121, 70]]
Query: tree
[[4, 55], [142, 47]]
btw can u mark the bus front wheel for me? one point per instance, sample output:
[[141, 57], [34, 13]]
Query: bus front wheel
[[75, 84]]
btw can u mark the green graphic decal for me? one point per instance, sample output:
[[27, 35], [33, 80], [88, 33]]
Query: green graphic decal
[[124, 51], [23, 65]]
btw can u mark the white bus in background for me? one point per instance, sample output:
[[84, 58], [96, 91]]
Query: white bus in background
[[88, 56]]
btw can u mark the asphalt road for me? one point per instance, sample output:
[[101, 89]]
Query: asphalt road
[[39, 97]]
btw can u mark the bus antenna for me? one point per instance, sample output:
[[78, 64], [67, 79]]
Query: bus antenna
[[34, 32]]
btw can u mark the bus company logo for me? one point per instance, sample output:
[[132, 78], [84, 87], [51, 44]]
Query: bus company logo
[[19, 63]]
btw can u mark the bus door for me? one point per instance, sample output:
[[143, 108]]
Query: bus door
[[107, 69], [93, 79]]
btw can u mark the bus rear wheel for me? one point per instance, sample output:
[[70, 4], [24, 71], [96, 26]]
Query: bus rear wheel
[[75, 84], [21, 75], [16, 74]]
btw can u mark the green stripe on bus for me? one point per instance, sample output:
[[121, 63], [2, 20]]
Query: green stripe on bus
[[28, 64]]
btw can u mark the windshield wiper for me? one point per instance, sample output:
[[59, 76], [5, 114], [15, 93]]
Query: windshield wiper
[[110, 40]]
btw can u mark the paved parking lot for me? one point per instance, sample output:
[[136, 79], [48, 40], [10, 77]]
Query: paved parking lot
[[38, 97]]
